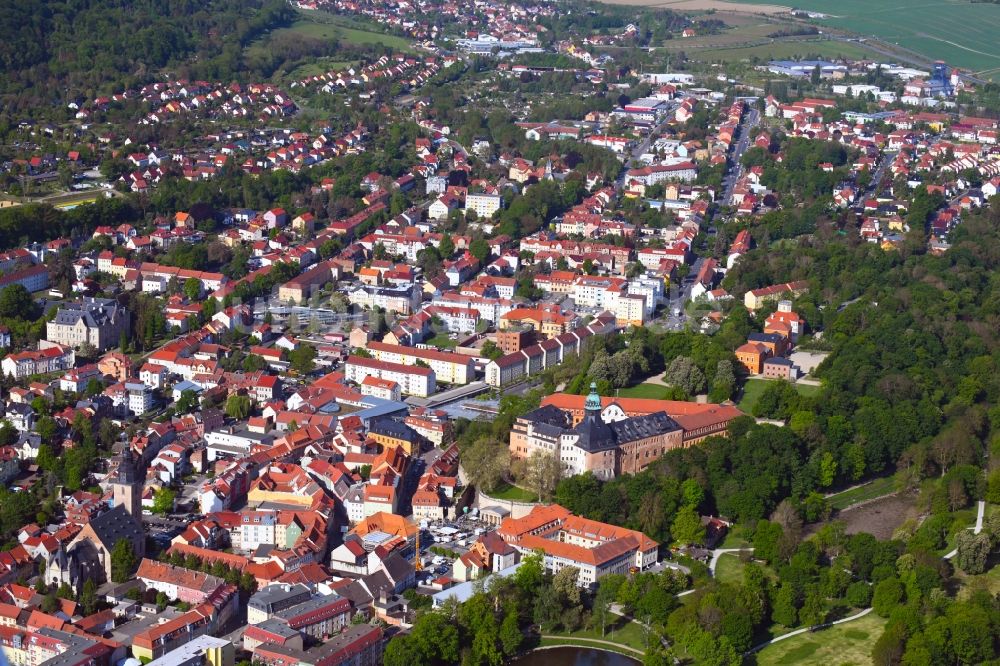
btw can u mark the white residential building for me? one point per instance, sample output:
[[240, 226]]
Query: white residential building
[[484, 204], [140, 398], [448, 367], [412, 379]]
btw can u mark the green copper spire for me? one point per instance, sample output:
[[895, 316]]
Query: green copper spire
[[593, 403]]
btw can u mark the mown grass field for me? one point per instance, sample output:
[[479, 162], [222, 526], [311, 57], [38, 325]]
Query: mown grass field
[[507, 491], [654, 391], [876, 488], [734, 538], [960, 32], [753, 388], [730, 569], [751, 394], [443, 340], [622, 631], [319, 66], [323, 26], [848, 644]]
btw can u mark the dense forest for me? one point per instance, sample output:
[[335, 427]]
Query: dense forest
[[88, 47]]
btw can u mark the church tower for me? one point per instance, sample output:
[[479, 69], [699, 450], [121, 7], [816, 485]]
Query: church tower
[[128, 485], [592, 407]]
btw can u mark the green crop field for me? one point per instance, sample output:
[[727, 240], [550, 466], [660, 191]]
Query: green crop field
[[746, 38], [784, 50], [960, 32]]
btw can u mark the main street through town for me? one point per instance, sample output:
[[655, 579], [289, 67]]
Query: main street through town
[[750, 120]]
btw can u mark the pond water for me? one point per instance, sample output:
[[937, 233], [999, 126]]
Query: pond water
[[573, 656]]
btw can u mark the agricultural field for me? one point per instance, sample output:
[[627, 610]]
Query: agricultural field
[[960, 32], [848, 644], [704, 6], [790, 49]]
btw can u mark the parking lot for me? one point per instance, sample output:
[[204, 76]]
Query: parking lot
[[456, 536]]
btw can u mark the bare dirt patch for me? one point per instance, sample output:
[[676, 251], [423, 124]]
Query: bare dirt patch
[[879, 517], [704, 5]]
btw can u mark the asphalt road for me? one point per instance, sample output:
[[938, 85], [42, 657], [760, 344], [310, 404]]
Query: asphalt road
[[750, 120], [643, 147], [884, 161]]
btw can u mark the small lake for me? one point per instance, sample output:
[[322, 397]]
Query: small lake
[[573, 656]]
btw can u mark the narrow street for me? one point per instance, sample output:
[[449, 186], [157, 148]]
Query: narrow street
[[750, 120], [884, 161], [643, 147]]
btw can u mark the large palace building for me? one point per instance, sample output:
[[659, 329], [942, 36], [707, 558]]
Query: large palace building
[[609, 437]]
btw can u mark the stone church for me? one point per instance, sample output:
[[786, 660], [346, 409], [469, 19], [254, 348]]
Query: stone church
[[88, 555]]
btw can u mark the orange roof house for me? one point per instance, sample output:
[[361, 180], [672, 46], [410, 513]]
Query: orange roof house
[[389, 523], [752, 356]]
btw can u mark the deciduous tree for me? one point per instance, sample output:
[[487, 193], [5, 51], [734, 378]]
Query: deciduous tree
[[123, 561], [687, 528], [973, 552]]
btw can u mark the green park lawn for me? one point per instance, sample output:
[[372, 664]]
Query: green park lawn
[[753, 388], [751, 394], [729, 569], [508, 491], [623, 631], [848, 644], [320, 25], [442, 340], [807, 390], [877, 488], [989, 581], [654, 391], [734, 538]]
